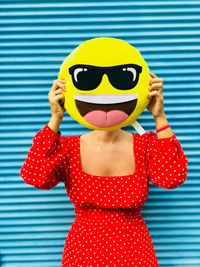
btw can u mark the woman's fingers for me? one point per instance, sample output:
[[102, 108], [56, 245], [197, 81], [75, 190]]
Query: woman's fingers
[[155, 80], [56, 94], [154, 93], [59, 91], [58, 84], [59, 97], [155, 86], [153, 75]]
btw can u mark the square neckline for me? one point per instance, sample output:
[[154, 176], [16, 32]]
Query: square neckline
[[108, 176]]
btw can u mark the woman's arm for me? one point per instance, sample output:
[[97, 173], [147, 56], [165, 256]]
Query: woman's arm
[[56, 100], [167, 162], [156, 106], [46, 163]]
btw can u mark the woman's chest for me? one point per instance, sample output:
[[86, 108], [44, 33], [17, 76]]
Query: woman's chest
[[90, 185], [110, 161]]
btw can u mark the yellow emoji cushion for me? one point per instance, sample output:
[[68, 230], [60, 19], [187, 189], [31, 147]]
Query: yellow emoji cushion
[[107, 83]]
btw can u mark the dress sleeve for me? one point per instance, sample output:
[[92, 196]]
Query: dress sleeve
[[47, 161], [167, 162]]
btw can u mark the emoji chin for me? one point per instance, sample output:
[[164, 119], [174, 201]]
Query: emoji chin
[[106, 110]]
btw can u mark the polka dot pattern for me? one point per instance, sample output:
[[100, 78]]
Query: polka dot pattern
[[108, 229]]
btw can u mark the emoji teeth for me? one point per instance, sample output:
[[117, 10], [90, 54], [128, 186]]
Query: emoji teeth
[[106, 99], [85, 107]]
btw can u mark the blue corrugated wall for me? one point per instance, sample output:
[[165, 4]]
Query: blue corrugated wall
[[35, 38]]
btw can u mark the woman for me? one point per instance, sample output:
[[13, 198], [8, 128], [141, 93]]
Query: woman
[[106, 175]]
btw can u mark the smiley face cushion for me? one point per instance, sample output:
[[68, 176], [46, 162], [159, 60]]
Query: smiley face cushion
[[107, 83]]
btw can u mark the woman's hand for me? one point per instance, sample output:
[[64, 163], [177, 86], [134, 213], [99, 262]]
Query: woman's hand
[[156, 105], [56, 99]]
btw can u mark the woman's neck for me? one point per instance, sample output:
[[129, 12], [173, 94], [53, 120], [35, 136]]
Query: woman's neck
[[107, 136]]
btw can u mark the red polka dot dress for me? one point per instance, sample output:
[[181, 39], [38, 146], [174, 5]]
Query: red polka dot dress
[[108, 229]]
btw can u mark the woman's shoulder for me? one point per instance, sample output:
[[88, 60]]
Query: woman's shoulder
[[71, 138], [142, 141], [145, 136]]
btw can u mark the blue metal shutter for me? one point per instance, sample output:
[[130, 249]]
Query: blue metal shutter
[[35, 38]]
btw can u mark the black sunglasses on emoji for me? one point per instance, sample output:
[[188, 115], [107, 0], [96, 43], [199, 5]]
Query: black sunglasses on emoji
[[88, 77]]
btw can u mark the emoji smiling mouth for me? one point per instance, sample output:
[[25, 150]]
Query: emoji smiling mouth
[[106, 110]]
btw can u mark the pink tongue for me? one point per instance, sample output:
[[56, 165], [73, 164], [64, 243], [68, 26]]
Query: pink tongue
[[105, 119]]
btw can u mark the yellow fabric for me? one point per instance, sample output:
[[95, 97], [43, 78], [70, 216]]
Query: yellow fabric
[[105, 52]]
